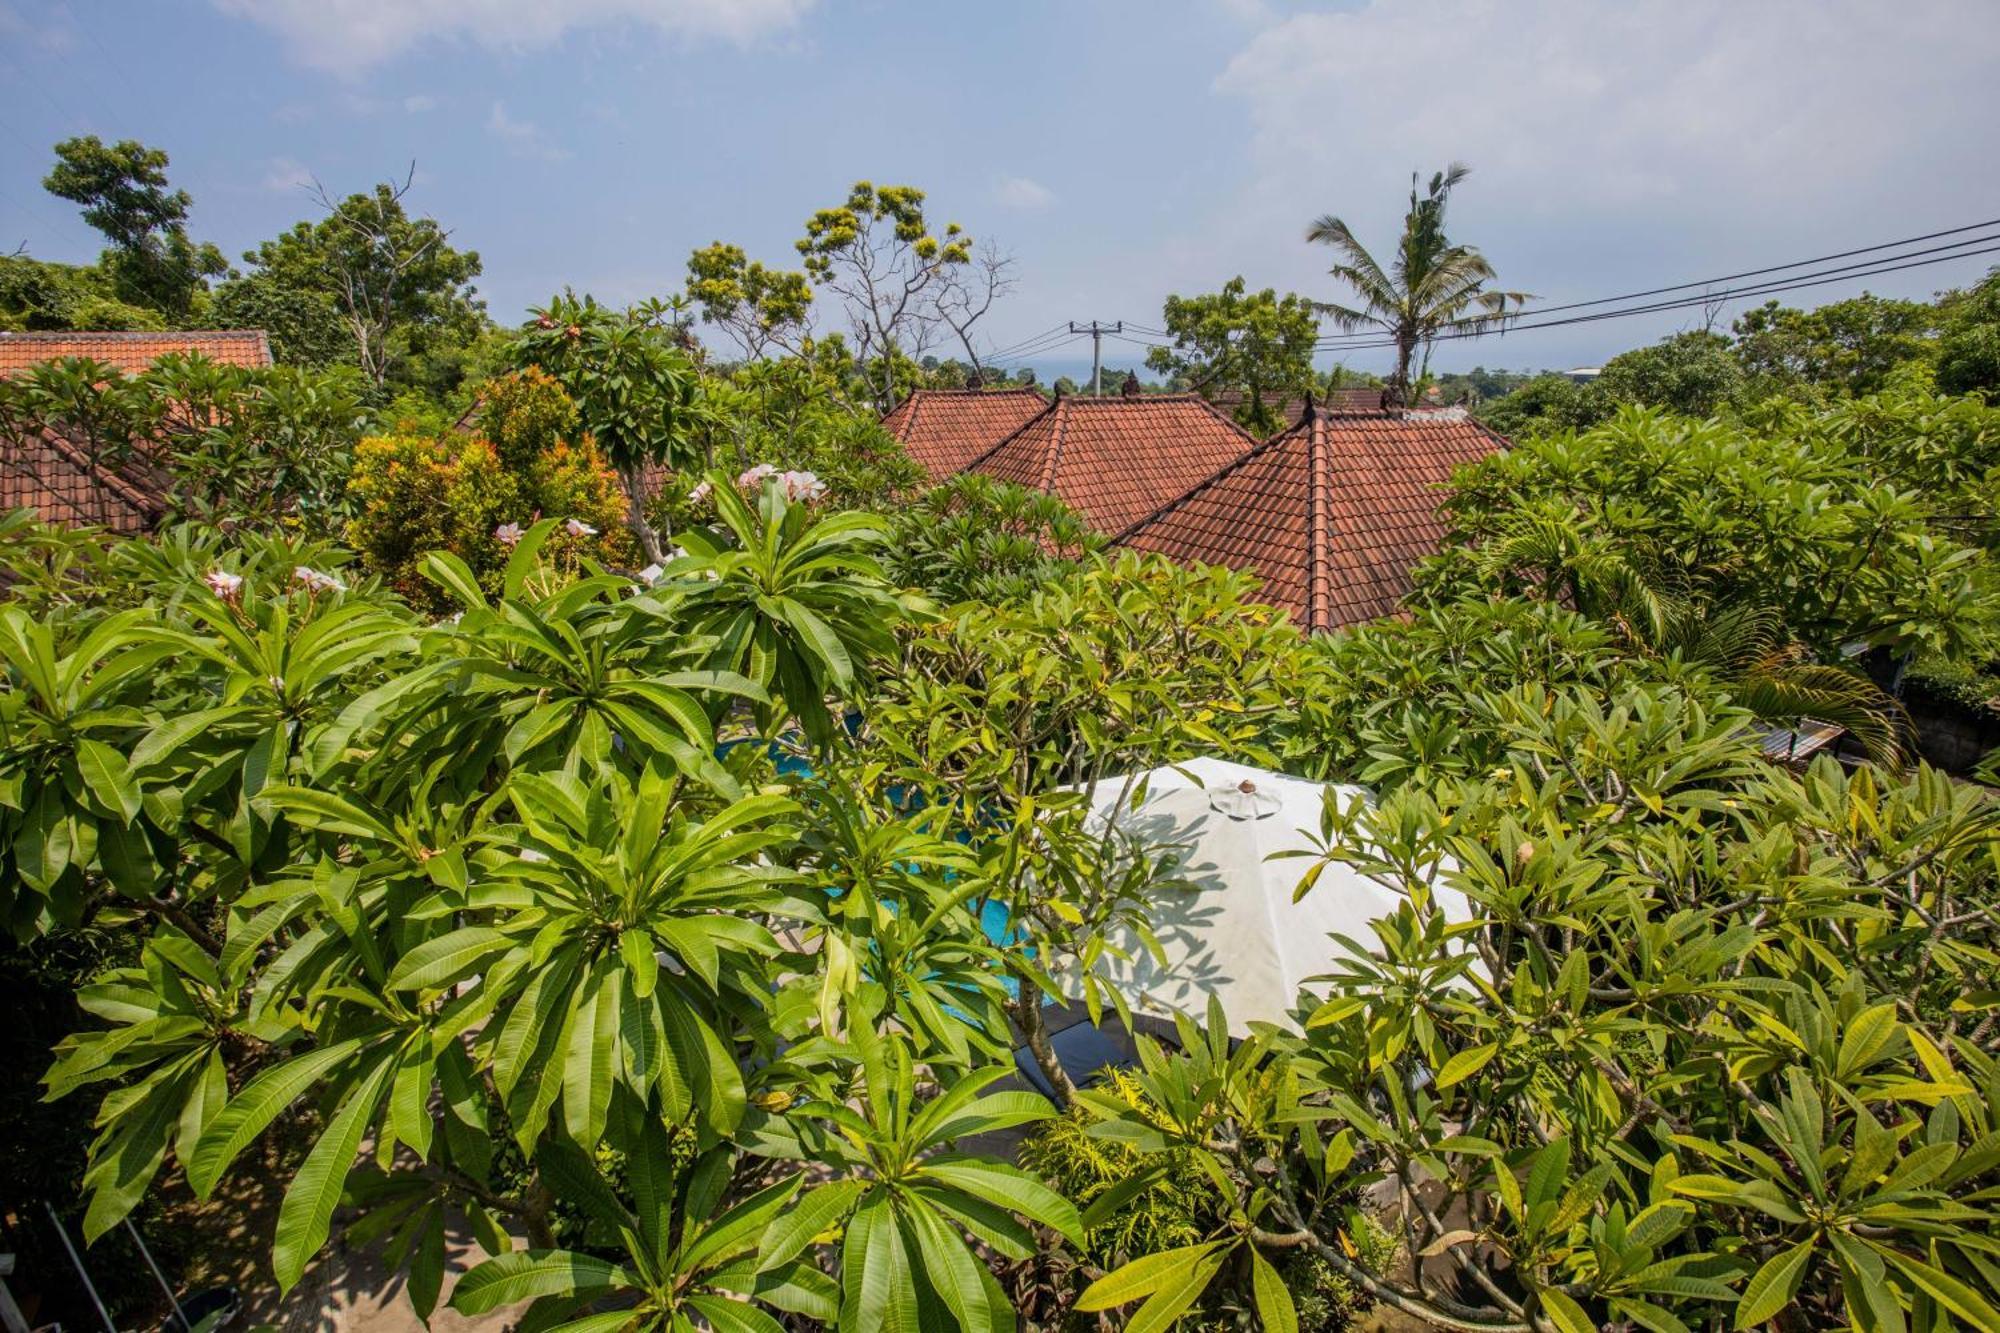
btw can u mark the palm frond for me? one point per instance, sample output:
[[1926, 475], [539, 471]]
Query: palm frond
[[1348, 319], [1788, 692], [1360, 269]]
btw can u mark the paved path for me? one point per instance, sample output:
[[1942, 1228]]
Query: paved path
[[352, 1291]]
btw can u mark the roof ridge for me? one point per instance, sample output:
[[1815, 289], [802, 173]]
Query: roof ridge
[[1120, 400], [915, 404], [1002, 442], [1055, 449], [169, 335], [1257, 450], [968, 393], [1319, 525]]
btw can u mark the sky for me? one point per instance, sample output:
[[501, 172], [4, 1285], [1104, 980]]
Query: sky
[[1120, 150]]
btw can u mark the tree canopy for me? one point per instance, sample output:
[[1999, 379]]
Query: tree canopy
[[399, 286], [125, 195], [1256, 347]]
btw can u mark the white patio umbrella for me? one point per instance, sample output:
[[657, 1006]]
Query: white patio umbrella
[[1230, 928]]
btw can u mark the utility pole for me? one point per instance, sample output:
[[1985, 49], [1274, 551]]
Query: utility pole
[[1096, 332]]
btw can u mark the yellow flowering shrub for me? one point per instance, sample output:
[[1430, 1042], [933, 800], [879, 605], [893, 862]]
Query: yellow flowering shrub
[[472, 494]]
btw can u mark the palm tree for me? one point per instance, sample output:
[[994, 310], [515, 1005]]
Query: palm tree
[[1554, 554], [1746, 649], [1430, 288]]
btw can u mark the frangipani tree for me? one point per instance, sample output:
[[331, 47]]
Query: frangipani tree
[[633, 386]]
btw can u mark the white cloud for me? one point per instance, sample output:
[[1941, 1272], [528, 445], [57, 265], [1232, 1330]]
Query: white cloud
[[1610, 142], [285, 174], [347, 36], [420, 102], [1022, 193], [523, 137]]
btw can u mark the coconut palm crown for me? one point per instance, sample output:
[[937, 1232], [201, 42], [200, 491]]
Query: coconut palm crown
[[1433, 287]]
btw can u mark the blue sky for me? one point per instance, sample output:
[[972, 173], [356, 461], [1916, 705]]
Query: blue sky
[[1120, 149]]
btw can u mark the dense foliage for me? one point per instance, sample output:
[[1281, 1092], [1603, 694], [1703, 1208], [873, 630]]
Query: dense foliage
[[489, 891], [257, 445], [1853, 348], [674, 902]]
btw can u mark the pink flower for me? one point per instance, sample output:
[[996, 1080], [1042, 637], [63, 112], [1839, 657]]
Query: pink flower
[[316, 581], [576, 527], [702, 492], [225, 585], [507, 534], [799, 486], [754, 477]]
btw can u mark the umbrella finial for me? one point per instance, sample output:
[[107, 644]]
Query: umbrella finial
[[1243, 801]]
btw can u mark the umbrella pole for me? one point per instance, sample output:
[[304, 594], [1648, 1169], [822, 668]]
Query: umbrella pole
[[158, 1276], [81, 1271]]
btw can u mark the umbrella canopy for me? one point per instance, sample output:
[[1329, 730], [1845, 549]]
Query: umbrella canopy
[[1228, 925]]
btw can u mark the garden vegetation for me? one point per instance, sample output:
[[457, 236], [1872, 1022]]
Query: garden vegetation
[[658, 891]]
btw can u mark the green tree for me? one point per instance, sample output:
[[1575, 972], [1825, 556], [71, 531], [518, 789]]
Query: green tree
[[400, 288], [758, 307], [1841, 519], [1546, 402], [1845, 346], [1257, 347], [633, 387], [1432, 287], [1969, 350], [1693, 374], [124, 193], [879, 256], [305, 325], [38, 294]]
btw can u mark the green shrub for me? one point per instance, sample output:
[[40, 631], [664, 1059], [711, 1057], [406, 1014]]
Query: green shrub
[[1182, 1210], [473, 495], [1178, 1211]]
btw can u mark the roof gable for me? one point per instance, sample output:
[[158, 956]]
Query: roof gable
[[134, 352], [1115, 460], [40, 470], [1332, 515], [945, 429]]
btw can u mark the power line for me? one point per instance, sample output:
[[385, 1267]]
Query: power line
[[1774, 268], [1368, 342], [1031, 345], [1779, 268], [1013, 347], [1030, 354], [1036, 349], [1864, 269], [1146, 336]]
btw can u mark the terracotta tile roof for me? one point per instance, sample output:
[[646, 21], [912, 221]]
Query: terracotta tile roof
[[1332, 515], [1115, 460], [48, 474], [1288, 410], [1353, 400], [944, 429], [133, 352]]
